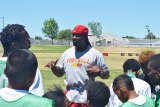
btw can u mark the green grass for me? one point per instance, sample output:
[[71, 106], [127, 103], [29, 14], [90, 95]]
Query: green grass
[[48, 49], [46, 53], [114, 61]]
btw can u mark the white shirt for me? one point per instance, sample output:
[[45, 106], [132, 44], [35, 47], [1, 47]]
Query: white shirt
[[75, 65], [37, 87], [140, 100], [10, 95]]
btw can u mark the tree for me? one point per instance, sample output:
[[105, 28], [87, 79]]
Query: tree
[[150, 36], [38, 38], [96, 28], [129, 37], [50, 29], [65, 34]]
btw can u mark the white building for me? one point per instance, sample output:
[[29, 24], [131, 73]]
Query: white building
[[108, 40]]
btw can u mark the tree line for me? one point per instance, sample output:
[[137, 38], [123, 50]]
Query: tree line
[[148, 36], [50, 30]]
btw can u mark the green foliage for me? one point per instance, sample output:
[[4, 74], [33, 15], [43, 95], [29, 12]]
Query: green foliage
[[129, 37], [65, 34], [96, 28], [38, 38], [150, 36], [50, 28]]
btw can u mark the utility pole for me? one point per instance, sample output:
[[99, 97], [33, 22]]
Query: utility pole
[[149, 33]]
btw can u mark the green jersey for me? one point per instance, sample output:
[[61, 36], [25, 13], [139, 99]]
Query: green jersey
[[147, 103], [28, 100], [157, 104], [3, 78]]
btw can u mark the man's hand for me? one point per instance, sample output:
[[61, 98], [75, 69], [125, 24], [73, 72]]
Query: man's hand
[[51, 64], [93, 71]]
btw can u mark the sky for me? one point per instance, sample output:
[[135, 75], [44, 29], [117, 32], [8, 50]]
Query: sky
[[117, 17]]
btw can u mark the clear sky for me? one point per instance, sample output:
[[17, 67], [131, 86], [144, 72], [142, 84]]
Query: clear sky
[[118, 17]]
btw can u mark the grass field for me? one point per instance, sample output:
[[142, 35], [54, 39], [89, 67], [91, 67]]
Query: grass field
[[114, 61]]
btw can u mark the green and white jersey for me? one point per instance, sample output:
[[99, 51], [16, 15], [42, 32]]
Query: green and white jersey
[[157, 103], [3, 78], [139, 101], [75, 65], [21, 98]]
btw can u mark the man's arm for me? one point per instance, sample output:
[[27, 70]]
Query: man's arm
[[94, 71], [59, 72], [101, 68]]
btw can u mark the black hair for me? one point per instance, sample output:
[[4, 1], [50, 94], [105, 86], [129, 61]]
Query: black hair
[[11, 33], [98, 94], [21, 65], [154, 62], [87, 41], [154, 69], [131, 64], [123, 80], [57, 95]]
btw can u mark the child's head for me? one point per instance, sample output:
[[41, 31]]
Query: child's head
[[58, 96], [154, 69], [122, 85], [131, 65], [98, 94], [14, 36], [21, 68], [143, 60]]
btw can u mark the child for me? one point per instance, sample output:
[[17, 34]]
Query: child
[[20, 70], [153, 69], [98, 94], [123, 87], [14, 36], [131, 68], [58, 96], [143, 60]]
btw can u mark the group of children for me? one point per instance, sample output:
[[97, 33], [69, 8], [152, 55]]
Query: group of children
[[22, 85], [21, 81], [21, 69], [20, 78], [132, 89]]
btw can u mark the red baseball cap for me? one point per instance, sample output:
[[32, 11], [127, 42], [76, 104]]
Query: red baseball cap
[[80, 30]]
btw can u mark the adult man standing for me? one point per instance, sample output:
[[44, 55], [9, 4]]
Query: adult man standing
[[14, 36], [81, 64]]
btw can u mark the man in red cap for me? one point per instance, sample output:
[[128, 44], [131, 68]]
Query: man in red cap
[[81, 64]]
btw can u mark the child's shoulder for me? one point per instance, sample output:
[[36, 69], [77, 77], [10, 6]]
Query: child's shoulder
[[34, 97], [37, 99]]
